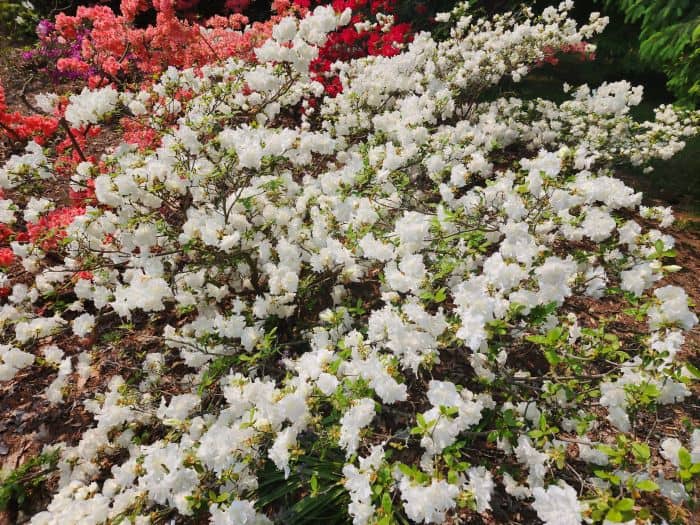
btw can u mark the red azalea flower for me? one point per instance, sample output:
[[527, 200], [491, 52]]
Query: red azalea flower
[[7, 256]]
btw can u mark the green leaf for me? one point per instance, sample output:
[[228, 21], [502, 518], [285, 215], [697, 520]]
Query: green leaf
[[406, 470], [641, 451], [625, 504], [440, 295], [386, 503], [684, 458], [691, 368], [614, 515], [554, 335], [607, 450], [427, 296], [552, 357], [646, 485], [449, 411], [537, 339], [659, 246]]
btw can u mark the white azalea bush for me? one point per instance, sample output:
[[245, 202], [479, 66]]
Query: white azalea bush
[[382, 306]]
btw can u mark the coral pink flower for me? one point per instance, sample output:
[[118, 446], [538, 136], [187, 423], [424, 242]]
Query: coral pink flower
[[6, 257]]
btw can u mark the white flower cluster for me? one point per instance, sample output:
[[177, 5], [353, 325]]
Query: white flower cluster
[[557, 505], [90, 106], [427, 504], [13, 360], [400, 248], [358, 482], [446, 425]]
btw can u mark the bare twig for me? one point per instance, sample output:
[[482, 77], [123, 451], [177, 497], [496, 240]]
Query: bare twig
[[66, 128]]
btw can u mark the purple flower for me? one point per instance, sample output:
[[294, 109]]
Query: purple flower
[[44, 27]]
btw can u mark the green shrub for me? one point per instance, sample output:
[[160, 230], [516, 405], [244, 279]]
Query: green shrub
[[668, 40]]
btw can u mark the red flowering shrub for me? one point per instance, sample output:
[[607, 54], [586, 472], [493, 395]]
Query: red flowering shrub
[[113, 47], [583, 50], [25, 127], [51, 228], [139, 133], [6, 257], [104, 46], [367, 34]]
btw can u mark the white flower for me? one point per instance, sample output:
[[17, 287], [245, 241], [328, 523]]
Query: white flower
[[557, 505], [673, 309], [240, 512], [514, 489], [144, 292], [354, 420], [534, 459], [83, 324], [358, 484], [673, 490], [36, 328], [46, 102], [445, 429], [553, 278], [285, 29], [7, 214], [598, 224], [327, 383], [669, 450], [54, 392], [442, 17], [413, 229], [504, 276], [660, 213], [13, 360], [592, 455], [374, 249], [279, 452], [695, 446], [90, 106], [36, 207], [638, 278], [481, 484], [179, 407], [53, 354], [137, 107], [427, 504]]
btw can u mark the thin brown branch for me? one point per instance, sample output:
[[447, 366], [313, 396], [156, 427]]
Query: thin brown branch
[[66, 128]]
